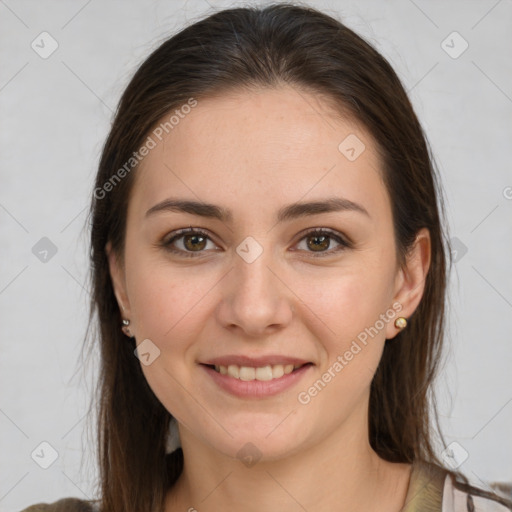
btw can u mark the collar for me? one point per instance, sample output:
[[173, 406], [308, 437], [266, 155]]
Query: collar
[[425, 492]]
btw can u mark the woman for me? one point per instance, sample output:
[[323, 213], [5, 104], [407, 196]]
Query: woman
[[269, 278]]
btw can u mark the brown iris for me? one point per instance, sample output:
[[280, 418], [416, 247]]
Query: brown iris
[[197, 242], [322, 242]]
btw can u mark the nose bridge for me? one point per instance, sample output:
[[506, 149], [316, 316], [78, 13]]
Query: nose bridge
[[256, 299], [253, 278]]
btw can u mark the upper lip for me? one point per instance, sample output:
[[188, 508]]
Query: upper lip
[[254, 362]]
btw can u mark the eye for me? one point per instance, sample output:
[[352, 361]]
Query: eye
[[318, 241], [188, 241]]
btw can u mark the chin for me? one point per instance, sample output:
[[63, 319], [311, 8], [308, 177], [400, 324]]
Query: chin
[[259, 441]]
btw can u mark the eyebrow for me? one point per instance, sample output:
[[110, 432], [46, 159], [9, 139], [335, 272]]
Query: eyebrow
[[286, 213]]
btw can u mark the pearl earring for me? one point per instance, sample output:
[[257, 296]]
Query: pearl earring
[[401, 323], [125, 328]]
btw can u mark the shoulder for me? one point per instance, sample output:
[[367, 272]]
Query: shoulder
[[64, 505], [434, 488], [460, 497]]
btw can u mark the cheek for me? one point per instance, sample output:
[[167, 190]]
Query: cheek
[[349, 304], [346, 301], [165, 300], [352, 336], [166, 304]]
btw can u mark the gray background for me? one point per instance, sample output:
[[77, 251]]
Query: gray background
[[55, 114]]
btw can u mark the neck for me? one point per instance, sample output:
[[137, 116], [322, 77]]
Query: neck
[[339, 472]]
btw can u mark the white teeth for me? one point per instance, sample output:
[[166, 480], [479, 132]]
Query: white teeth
[[277, 371], [263, 373], [247, 373], [233, 371]]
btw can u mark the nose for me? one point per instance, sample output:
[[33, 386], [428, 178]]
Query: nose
[[255, 299]]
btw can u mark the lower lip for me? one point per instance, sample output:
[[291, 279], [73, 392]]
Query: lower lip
[[256, 388]]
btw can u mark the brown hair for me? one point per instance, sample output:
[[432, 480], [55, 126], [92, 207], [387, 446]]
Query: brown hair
[[265, 47]]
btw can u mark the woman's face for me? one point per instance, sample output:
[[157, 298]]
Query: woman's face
[[258, 290]]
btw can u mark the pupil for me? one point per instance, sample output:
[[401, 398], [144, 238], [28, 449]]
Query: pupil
[[194, 239], [323, 244]]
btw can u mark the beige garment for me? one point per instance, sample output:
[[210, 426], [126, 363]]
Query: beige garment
[[431, 489]]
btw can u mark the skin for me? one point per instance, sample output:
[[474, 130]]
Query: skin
[[254, 152]]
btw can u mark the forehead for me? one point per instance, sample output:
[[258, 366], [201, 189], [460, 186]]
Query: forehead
[[259, 146]]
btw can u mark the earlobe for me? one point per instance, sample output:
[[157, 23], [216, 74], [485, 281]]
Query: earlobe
[[117, 277], [411, 278]]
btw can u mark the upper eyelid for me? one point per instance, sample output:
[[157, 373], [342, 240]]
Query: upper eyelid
[[174, 235]]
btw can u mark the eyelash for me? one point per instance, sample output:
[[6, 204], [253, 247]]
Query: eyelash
[[344, 244]]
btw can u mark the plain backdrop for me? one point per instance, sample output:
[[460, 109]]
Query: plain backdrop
[[454, 59]]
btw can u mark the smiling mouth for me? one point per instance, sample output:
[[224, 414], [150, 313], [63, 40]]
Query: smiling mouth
[[261, 373]]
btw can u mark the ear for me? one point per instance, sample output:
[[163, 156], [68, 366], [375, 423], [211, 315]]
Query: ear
[[410, 279], [118, 280]]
